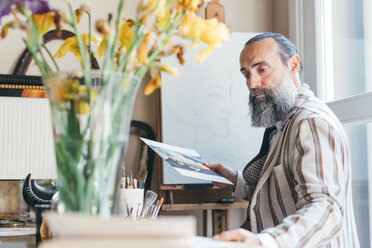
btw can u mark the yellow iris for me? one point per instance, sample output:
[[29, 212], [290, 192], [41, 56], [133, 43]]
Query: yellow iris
[[43, 22], [101, 50], [154, 84], [71, 45], [125, 38], [142, 50], [209, 31], [163, 17], [126, 34]]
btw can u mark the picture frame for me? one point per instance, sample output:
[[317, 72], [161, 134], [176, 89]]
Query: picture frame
[[21, 86]]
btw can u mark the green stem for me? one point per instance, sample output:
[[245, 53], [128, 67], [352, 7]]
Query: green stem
[[51, 56], [85, 63], [79, 40], [117, 29], [46, 66], [34, 55], [90, 34]]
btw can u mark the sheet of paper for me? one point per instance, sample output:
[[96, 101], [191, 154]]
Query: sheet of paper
[[186, 161]]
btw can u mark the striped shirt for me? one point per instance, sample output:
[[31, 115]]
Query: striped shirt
[[303, 196]]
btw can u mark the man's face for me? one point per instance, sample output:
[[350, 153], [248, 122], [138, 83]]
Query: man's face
[[272, 91]]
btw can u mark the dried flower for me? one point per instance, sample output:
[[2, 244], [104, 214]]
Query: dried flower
[[5, 29], [192, 5], [78, 14], [57, 18], [153, 84], [179, 50], [103, 27], [86, 7]]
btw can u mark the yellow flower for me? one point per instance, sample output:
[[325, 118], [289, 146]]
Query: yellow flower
[[154, 84], [192, 27], [101, 50], [170, 70], [126, 34], [43, 22], [71, 45], [142, 50], [62, 91], [163, 18], [209, 31]]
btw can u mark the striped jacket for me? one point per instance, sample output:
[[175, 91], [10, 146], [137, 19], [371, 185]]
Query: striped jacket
[[303, 197]]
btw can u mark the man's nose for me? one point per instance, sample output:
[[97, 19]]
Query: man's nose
[[253, 82]]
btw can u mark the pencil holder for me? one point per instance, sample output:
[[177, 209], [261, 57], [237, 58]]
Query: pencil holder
[[130, 202]]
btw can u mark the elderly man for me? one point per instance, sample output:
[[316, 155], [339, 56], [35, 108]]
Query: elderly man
[[299, 185]]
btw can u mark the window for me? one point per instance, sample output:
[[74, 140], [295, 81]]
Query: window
[[360, 138], [334, 38]]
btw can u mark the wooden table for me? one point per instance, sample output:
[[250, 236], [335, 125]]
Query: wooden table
[[219, 212]]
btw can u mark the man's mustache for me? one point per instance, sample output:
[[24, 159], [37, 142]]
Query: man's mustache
[[259, 91]]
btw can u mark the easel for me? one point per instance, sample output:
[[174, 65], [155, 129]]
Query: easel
[[187, 197]]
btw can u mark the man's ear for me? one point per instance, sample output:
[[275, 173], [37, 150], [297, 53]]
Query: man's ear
[[294, 64]]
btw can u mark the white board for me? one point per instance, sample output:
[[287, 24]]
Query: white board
[[206, 109]]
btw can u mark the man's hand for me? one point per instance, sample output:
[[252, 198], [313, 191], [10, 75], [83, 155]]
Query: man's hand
[[224, 171], [238, 235]]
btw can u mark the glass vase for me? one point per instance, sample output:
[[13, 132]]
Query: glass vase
[[91, 118]]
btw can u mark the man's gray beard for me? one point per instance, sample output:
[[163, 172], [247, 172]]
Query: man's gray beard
[[274, 106]]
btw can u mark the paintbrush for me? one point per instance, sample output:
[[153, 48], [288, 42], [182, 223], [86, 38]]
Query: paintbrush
[[150, 198], [157, 209], [144, 180]]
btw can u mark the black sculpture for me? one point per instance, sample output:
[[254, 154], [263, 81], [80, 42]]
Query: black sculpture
[[34, 194]]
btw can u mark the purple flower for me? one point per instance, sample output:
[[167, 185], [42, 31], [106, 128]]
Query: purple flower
[[5, 6], [36, 6]]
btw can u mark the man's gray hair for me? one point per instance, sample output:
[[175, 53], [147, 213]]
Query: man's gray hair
[[287, 48]]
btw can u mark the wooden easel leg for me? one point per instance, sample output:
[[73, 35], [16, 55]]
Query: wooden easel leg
[[219, 219], [205, 223]]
